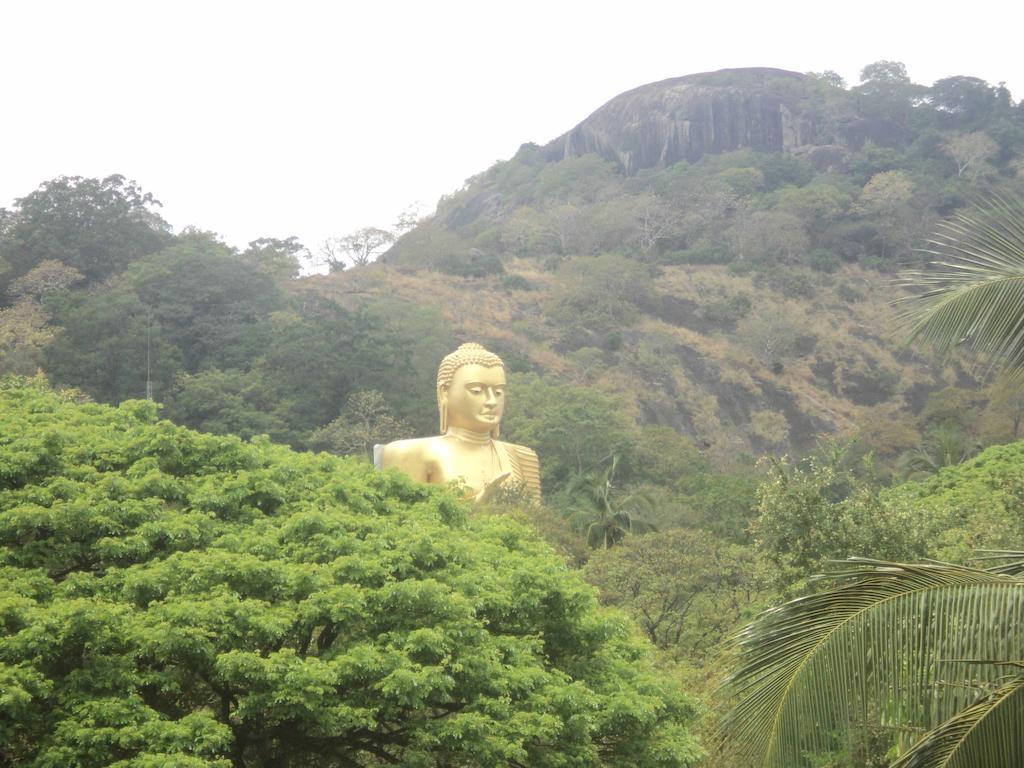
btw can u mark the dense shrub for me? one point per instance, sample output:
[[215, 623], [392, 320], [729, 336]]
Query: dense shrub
[[515, 283], [602, 293], [472, 264]]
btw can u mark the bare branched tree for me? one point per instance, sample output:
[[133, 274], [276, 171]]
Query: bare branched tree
[[356, 249]]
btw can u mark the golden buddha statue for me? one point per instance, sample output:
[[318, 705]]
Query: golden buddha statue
[[471, 401]]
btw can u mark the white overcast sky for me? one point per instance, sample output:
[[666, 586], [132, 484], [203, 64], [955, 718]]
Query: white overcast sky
[[315, 118]]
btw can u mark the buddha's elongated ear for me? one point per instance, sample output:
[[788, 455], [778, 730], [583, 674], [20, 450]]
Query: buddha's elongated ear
[[442, 407], [496, 429]]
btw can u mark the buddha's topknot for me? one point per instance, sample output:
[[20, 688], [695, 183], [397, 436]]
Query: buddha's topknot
[[467, 354]]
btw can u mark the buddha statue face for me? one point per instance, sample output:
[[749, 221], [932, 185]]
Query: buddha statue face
[[471, 390], [476, 398]]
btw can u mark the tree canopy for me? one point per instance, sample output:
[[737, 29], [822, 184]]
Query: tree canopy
[[97, 226], [170, 597]]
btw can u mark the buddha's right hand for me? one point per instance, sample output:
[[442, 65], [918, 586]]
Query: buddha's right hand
[[491, 488]]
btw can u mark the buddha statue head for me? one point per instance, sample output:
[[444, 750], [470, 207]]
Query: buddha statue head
[[471, 390]]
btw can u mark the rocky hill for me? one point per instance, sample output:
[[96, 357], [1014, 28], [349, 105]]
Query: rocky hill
[[707, 261], [718, 250], [685, 118]]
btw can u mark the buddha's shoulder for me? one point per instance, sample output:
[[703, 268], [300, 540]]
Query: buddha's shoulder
[[419, 447]]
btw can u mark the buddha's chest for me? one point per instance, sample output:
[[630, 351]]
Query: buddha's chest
[[473, 465]]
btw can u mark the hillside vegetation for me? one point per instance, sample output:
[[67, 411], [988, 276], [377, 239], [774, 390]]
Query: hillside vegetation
[[692, 291], [734, 288], [740, 294]]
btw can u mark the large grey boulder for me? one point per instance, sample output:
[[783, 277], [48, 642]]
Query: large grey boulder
[[684, 118]]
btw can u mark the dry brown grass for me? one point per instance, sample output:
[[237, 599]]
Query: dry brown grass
[[858, 338]]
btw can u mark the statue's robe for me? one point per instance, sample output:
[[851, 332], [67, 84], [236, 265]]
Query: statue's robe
[[525, 467], [520, 460]]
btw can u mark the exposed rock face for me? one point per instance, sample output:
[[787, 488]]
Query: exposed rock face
[[684, 118]]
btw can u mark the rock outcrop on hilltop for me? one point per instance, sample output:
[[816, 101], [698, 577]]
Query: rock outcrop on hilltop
[[684, 118]]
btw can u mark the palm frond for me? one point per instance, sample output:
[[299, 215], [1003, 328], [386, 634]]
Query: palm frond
[[988, 733], [875, 648], [944, 446], [974, 291], [1013, 565]]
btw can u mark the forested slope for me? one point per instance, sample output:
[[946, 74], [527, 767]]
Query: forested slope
[[719, 249]]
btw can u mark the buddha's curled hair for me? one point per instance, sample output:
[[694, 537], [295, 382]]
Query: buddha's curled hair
[[467, 354]]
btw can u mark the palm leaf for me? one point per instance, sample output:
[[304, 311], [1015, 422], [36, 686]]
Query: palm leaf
[[974, 292], [989, 733], [881, 646], [1013, 565]]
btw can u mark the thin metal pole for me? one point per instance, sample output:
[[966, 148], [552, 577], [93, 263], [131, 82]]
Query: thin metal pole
[[149, 380]]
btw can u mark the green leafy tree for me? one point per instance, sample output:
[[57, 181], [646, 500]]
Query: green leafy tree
[[818, 205], [208, 302], [887, 92], [103, 344], [24, 334], [426, 244], [885, 72], [527, 231], [887, 202], [655, 221], [422, 336], [193, 306], [830, 77], [961, 509], [584, 179], [943, 446], [574, 430], [685, 589], [25, 327], [770, 332], [228, 402], [954, 407], [97, 226], [771, 237], [1003, 417], [174, 598], [282, 259], [970, 152], [45, 278], [664, 457], [314, 360], [365, 421], [967, 99], [722, 503], [600, 294], [824, 510], [918, 661], [704, 202]]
